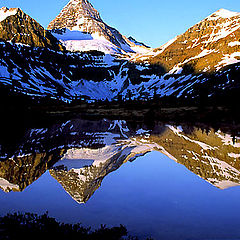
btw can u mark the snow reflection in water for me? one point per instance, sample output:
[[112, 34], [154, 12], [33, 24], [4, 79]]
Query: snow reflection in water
[[81, 154]]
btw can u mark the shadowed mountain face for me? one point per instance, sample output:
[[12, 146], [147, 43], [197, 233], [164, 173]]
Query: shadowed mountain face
[[42, 73], [200, 64], [79, 154]]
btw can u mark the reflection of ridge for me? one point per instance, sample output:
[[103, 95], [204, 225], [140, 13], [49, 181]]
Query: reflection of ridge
[[19, 172], [90, 150], [41, 148], [83, 181], [209, 155], [205, 154]]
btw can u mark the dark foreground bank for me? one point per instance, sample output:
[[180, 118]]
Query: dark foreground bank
[[31, 226]]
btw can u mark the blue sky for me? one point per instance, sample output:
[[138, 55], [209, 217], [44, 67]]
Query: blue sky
[[153, 22]]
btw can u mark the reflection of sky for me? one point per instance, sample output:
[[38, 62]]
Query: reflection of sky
[[153, 195]]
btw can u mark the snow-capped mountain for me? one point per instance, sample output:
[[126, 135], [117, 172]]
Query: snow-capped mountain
[[206, 47], [201, 63], [96, 76], [80, 28], [18, 27]]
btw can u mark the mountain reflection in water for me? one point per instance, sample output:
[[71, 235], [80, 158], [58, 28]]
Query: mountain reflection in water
[[80, 153]]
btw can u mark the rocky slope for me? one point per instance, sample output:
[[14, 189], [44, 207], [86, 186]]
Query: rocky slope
[[18, 27], [95, 76], [80, 27], [206, 47]]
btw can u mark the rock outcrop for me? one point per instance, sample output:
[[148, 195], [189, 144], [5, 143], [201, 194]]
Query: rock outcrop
[[18, 27], [80, 16], [206, 47]]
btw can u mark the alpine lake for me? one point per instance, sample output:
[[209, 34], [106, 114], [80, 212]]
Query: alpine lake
[[161, 180]]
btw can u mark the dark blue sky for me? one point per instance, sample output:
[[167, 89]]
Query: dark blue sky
[[153, 22]]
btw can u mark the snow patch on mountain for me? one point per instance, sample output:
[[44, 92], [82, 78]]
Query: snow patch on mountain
[[225, 30], [225, 184], [75, 40], [234, 155], [88, 45], [178, 68], [229, 59], [227, 139], [233, 44], [70, 35], [7, 186], [5, 13], [98, 156], [223, 13], [178, 131]]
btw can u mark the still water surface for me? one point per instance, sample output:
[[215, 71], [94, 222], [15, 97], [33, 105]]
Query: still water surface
[[152, 196]]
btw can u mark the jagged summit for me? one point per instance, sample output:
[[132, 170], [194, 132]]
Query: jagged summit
[[205, 47], [74, 16], [87, 7], [80, 16]]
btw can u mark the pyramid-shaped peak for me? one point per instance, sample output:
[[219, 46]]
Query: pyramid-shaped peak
[[75, 13], [85, 6], [224, 13], [80, 16]]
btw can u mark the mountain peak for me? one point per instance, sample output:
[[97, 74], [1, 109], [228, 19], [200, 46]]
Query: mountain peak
[[224, 13], [80, 16], [74, 16], [206, 46], [18, 27]]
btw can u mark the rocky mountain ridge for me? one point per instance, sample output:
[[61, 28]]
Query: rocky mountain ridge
[[92, 76], [17, 27], [83, 28], [207, 69], [206, 47]]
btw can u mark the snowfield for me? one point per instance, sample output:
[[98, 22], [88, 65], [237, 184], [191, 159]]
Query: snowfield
[[76, 40], [5, 13]]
